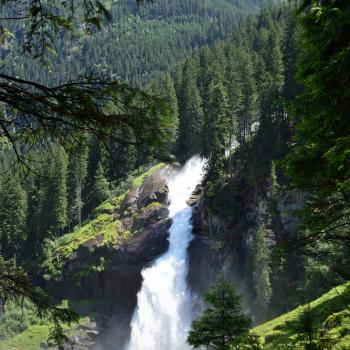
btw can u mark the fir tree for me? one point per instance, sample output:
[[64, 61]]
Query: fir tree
[[55, 203], [223, 322], [248, 114], [13, 214], [191, 115], [77, 172], [216, 128], [165, 88], [101, 190], [261, 272]]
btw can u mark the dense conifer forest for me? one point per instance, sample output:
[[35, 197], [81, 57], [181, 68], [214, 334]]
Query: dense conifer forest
[[258, 89]]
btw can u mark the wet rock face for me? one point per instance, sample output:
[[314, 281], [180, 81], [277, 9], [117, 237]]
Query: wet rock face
[[195, 196]]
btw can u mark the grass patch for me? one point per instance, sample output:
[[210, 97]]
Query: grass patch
[[330, 313], [103, 231], [154, 205], [30, 339], [137, 182], [35, 335]]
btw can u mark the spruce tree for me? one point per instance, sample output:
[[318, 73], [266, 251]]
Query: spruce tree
[[223, 321], [54, 213], [101, 190], [165, 88], [191, 117], [13, 214], [261, 272], [35, 189], [77, 172], [216, 128], [248, 114]]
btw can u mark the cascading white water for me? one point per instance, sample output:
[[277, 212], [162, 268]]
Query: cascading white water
[[163, 315]]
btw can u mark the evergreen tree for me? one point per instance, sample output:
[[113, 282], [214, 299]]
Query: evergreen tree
[[234, 91], [216, 136], [13, 214], [206, 58], [261, 272], [223, 322], [165, 88], [248, 114], [35, 190], [191, 115], [101, 190], [94, 159], [54, 212], [77, 172], [319, 161]]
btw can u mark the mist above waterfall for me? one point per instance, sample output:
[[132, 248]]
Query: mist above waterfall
[[164, 312]]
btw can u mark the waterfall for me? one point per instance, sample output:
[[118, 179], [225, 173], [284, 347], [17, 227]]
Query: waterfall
[[163, 315]]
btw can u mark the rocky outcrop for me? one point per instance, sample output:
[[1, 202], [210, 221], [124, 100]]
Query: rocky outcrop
[[195, 196], [223, 244], [103, 280]]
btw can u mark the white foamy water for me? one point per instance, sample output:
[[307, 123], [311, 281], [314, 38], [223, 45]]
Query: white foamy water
[[164, 314]]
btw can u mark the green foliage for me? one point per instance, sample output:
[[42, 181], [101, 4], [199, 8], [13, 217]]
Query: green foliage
[[55, 204], [76, 178], [191, 113], [13, 214], [319, 159], [42, 23], [222, 322], [216, 128], [16, 287], [152, 39], [15, 317], [248, 341], [101, 185], [326, 317], [103, 229], [36, 335], [261, 271]]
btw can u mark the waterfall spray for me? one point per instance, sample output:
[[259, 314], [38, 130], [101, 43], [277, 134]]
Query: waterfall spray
[[164, 313]]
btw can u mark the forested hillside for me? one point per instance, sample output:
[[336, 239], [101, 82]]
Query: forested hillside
[[232, 102], [137, 43], [52, 197], [235, 102], [260, 91]]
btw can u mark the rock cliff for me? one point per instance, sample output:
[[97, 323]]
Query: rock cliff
[[223, 244], [102, 280]]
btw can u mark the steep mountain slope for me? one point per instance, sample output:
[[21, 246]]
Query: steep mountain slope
[[139, 42]]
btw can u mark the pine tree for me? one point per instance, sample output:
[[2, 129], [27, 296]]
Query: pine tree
[[94, 159], [234, 92], [191, 115], [223, 322], [165, 88], [101, 190], [216, 135], [77, 172], [248, 114], [13, 214], [35, 190], [54, 213], [261, 272]]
